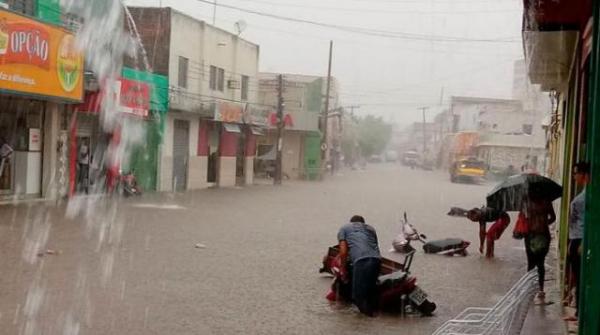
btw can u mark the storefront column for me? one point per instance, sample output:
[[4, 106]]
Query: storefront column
[[249, 156], [199, 160], [227, 160], [51, 133], [165, 171]]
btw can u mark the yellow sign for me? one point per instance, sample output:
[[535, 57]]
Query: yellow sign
[[39, 59]]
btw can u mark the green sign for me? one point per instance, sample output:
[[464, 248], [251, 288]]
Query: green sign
[[312, 156], [49, 11], [159, 86], [314, 96]]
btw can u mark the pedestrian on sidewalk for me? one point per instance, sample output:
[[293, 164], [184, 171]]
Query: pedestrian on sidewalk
[[487, 237], [539, 215], [581, 174], [359, 246]]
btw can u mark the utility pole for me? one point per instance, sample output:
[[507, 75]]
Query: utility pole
[[215, 13], [424, 109], [280, 126], [324, 145]]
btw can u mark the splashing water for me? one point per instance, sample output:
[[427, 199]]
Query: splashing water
[[104, 41]]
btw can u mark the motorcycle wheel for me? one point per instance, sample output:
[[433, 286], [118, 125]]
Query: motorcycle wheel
[[426, 308]]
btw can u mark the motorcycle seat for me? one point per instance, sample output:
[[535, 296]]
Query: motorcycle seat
[[392, 278]]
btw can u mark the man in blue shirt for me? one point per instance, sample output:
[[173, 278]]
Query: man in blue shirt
[[581, 174], [359, 246]]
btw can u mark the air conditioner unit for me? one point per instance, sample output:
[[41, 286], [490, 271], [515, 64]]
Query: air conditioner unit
[[233, 84]]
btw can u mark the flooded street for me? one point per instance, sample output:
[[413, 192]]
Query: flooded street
[[231, 261]]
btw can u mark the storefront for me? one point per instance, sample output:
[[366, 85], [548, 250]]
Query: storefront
[[39, 78], [142, 102]]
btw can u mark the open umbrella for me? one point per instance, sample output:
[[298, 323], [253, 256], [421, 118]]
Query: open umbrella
[[510, 194]]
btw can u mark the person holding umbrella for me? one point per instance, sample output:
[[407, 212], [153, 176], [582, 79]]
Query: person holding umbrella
[[532, 195], [539, 214]]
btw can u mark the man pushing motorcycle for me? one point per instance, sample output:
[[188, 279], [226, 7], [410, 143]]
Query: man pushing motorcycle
[[359, 247]]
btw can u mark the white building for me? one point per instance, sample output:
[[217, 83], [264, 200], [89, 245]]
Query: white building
[[508, 135], [209, 137]]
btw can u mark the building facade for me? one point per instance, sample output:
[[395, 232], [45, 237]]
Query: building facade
[[560, 41], [504, 130], [211, 127], [303, 97], [37, 92]]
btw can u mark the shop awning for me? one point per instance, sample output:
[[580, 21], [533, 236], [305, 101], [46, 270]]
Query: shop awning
[[232, 128], [550, 56], [257, 131]]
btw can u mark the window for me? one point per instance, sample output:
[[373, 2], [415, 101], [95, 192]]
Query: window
[[216, 81], [220, 79], [528, 129], [245, 82], [212, 82], [182, 79]]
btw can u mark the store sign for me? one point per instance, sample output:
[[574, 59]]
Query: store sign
[[256, 115], [158, 86], [35, 139], [228, 112], [288, 121], [39, 59], [134, 97]]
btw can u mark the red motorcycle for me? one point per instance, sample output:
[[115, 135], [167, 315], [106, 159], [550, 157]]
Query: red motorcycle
[[398, 290]]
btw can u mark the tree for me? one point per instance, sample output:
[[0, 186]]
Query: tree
[[373, 135]]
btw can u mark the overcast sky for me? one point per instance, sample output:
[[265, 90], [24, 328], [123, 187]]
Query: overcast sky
[[390, 77]]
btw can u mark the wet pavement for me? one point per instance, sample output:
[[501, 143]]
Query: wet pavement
[[231, 261]]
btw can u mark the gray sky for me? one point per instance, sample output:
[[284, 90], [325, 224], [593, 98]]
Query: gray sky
[[386, 76]]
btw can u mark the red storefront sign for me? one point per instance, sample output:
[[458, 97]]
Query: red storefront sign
[[135, 97], [287, 120], [25, 43]]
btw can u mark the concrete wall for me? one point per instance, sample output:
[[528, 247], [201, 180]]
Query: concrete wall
[[498, 117], [233, 54], [249, 170], [226, 172], [154, 26], [187, 40], [292, 154]]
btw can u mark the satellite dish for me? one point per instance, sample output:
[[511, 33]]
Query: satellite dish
[[240, 26]]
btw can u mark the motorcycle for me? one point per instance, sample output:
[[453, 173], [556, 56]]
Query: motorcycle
[[128, 185], [448, 246], [397, 288]]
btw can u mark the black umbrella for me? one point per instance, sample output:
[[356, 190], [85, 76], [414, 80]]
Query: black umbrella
[[515, 190]]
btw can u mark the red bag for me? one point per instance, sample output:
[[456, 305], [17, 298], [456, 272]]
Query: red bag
[[521, 227]]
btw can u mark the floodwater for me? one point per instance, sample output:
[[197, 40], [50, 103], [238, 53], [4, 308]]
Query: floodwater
[[238, 260]]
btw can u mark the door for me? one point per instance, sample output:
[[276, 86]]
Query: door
[[181, 142]]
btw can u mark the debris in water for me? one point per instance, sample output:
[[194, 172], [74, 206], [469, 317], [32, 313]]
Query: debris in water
[[49, 252]]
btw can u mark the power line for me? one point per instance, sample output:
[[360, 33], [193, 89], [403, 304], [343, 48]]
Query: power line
[[382, 11], [355, 45], [366, 31]]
